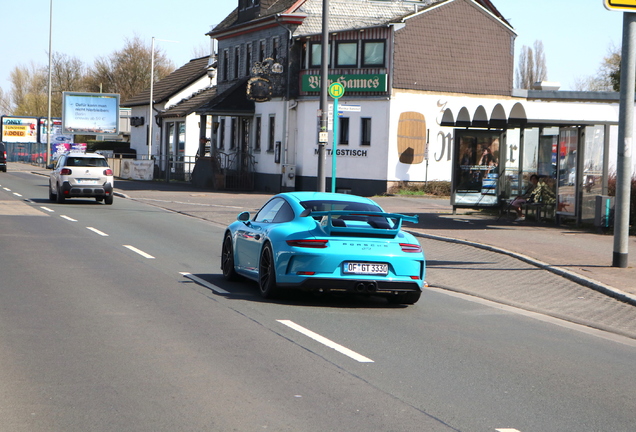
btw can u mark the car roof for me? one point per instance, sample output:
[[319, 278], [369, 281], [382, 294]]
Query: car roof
[[88, 155]]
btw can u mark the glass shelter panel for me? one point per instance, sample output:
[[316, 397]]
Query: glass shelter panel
[[476, 168], [566, 174], [592, 180]]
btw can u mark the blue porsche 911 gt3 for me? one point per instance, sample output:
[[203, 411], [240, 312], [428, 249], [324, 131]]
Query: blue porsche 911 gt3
[[325, 242]]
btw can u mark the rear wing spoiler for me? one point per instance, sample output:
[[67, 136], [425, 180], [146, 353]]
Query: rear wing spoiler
[[331, 227]]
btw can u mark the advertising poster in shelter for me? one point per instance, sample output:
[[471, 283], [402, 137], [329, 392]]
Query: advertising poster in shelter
[[476, 168]]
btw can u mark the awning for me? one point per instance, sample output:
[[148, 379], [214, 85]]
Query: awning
[[232, 101], [529, 113]]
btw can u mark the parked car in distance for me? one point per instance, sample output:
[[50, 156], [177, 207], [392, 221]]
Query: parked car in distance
[[84, 175], [3, 157], [325, 242]]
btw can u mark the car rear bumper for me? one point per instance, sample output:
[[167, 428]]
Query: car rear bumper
[[356, 286], [104, 190]]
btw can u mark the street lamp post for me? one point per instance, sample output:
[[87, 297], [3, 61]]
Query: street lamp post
[[48, 118]]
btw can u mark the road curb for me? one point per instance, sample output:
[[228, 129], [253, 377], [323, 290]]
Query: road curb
[[574, 277]]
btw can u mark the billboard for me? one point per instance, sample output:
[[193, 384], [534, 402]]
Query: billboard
[[56, 132], [90, 113], [19, 129]]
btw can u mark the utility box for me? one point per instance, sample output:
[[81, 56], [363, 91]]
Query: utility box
[[288, 176], [604, 211]]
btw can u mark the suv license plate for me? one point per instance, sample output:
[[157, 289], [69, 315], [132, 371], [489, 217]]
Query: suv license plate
[[366, 268]]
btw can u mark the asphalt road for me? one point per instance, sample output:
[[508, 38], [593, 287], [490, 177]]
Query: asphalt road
[[101, 330]]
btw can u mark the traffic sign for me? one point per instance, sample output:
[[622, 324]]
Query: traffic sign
[[624, 5], [336, 90]]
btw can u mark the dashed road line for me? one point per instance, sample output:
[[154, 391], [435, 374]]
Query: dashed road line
[[140, 252], [205, 283], [323, 340], [68, 218], [96, 231], [47, 209]]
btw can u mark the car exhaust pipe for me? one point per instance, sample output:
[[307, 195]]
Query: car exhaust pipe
[[360, 287], [372, 287]]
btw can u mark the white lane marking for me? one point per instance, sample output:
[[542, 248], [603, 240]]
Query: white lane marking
[[323, 340], [68, 218], [506, 430], [96, 231], [17, 194], [205, 283], [140, 252], [7, 189], [47, 209]]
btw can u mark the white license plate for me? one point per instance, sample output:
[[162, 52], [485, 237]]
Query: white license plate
[[366, 268], [86, 181]]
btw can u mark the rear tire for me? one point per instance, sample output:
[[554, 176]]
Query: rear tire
[[60, 195], [52, 196], [267, 273], [227, 259], [108, 200]]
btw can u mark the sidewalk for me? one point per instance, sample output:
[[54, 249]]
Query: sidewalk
[[581, 256]]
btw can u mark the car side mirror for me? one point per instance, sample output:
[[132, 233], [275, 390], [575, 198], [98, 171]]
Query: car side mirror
[[243, 217], [50, 166]]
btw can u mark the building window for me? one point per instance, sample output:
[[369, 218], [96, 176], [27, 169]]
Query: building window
[[261, 51], [372, 53], [347, 54], [272, 133], [237, 59], [365, 132], [234, 132], [226, 61], [248, 60], [257, 134], [222, 134], [315, 57], [275, 48], [343, 131]]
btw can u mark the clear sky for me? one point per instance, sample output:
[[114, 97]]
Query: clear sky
[[88, 29], [576, 34]]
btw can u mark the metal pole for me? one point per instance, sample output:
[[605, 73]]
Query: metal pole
[[625, 135], [48, 118], [324, 84], [152, 82], [335, 145]]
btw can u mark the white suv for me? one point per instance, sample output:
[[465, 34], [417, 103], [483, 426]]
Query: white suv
[[81, 175]]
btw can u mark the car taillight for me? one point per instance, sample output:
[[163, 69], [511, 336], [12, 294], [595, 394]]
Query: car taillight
[[108, 172], [308, 243], [411, 248], [66, 171]]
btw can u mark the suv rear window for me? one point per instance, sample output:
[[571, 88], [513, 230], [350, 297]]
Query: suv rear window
[[86, 162]]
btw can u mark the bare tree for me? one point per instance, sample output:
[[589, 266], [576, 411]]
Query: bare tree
[[532, 66], [608, 76], [29, 90], [5, 103], [127, 71]]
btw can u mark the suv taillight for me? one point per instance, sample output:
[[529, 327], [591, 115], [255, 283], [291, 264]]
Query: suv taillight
[[66, 171], [108, 172]]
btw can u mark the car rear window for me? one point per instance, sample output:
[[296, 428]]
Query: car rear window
[[339, 205], [86, 162]]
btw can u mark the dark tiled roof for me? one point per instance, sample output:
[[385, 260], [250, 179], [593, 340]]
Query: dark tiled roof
[[191, 104], [345, 14], [173, 83]]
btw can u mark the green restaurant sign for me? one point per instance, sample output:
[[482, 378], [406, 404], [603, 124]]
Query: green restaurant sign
[[352, 83]]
